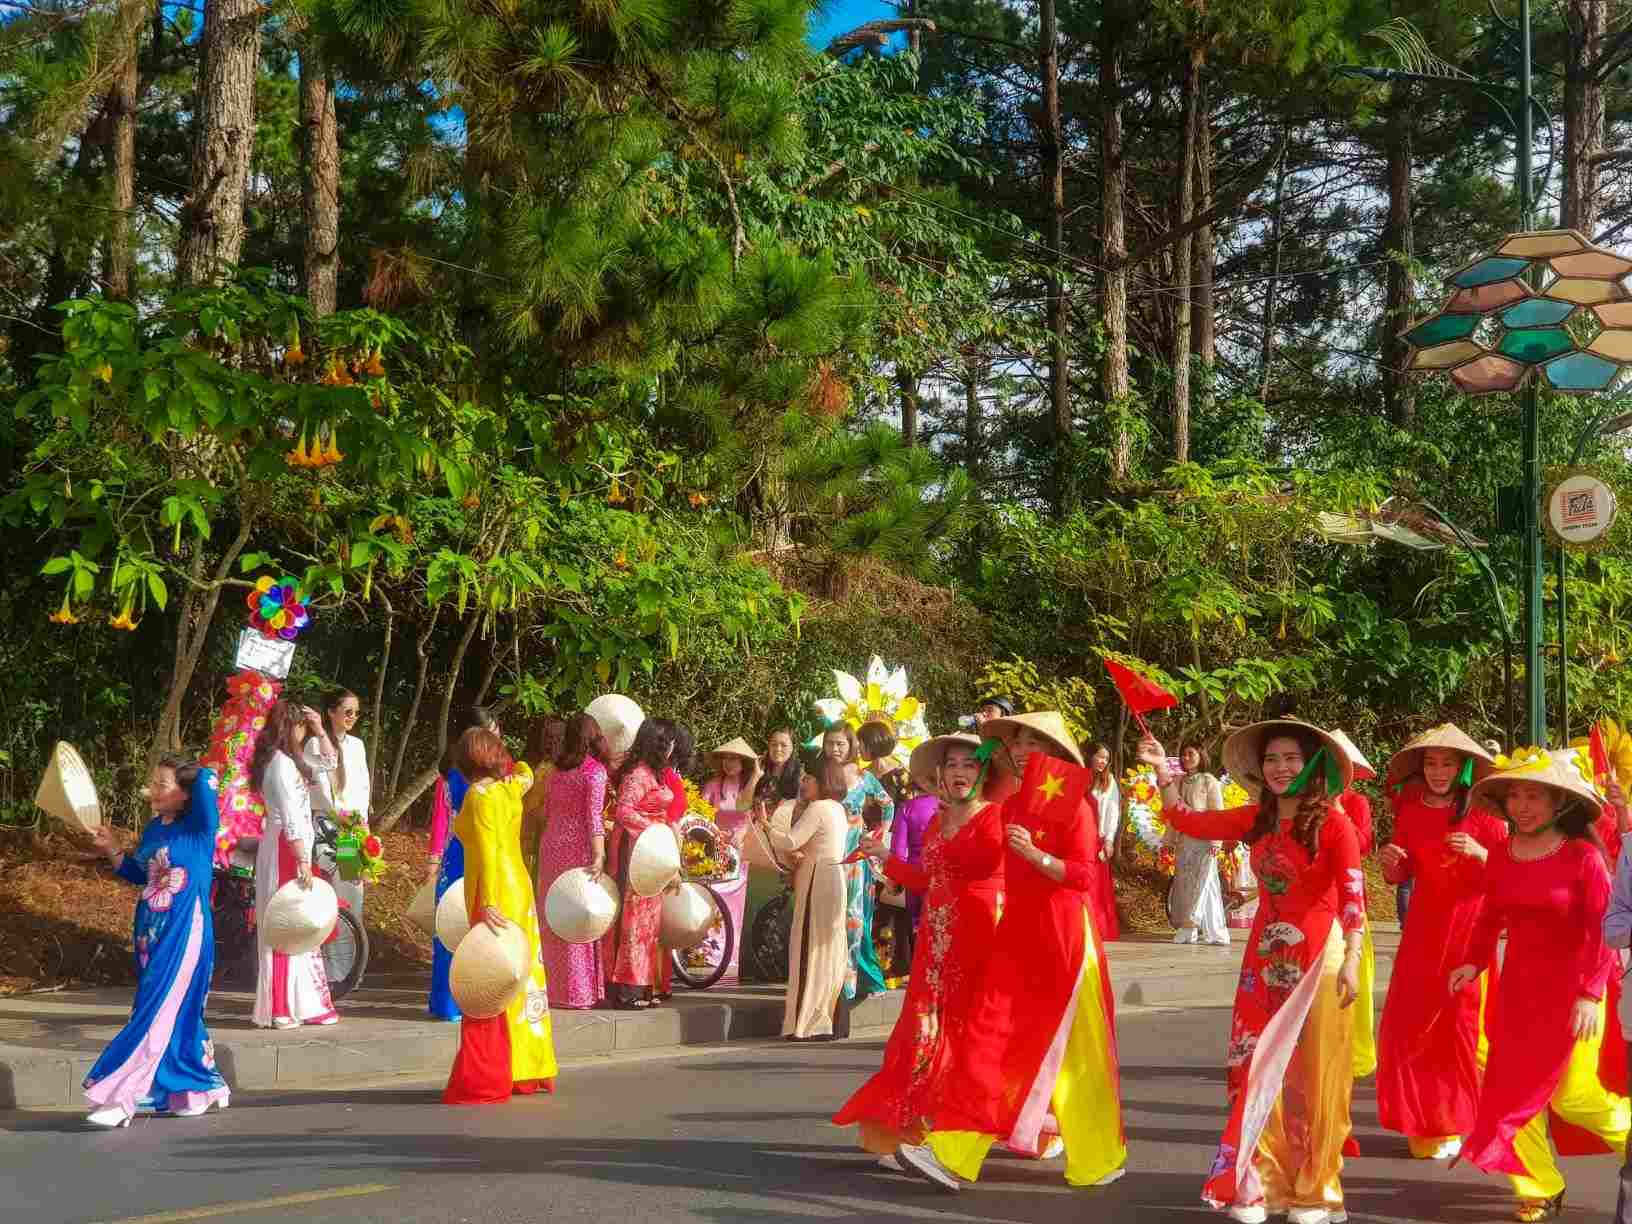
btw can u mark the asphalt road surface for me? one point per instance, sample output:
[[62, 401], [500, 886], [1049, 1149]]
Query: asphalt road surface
[[734, 1135]]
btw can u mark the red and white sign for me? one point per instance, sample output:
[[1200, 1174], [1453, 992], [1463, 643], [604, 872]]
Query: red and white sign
[[1581, 509]]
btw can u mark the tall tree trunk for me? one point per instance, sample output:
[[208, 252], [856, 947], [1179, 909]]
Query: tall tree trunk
[[907, 382], [1059, 373], [320, 193], [1397, 247], [1190, 124], [1266, 355], [973, 442], [212, 229], [422, 653], [121, 262], [1587, 23], [402, 800], [1114, 382], [1204, 343], [379, 688]]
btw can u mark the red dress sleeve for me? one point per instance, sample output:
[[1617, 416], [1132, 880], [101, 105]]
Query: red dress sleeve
[[1358, 809], [1080, 846], [1492, 919], [1232, 824], [1341, 846], [1591, 900], [910, 876]]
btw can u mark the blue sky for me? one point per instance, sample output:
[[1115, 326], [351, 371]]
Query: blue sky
[[837, 16]]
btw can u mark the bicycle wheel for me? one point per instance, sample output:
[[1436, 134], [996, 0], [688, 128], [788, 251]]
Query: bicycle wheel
[[1167, 905], [701, 972], [345, 956], [771, 937]]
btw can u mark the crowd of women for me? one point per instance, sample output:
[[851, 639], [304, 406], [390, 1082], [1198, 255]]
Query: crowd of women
[[1492, 1045]]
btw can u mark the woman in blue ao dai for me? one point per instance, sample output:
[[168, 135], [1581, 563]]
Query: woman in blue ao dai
[[163, 1059]]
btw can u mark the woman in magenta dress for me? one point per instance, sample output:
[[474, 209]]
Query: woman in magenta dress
[[641, 800], [1290, 1065], [1548, 889], [1428, 1062], [573, 836], [961, 882]]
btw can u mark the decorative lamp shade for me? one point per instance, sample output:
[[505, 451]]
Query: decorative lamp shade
[[452, 922], [688, 914], [654, 861], [67, 792], [489, 970], [422, 909], [579, 907], [618, 718], [1496, 331], [298, 920]]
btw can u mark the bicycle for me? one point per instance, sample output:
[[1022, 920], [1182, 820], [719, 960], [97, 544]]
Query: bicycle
[[700, 967], [771, 935]]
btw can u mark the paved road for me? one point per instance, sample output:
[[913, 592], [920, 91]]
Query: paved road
[[733, 1135]]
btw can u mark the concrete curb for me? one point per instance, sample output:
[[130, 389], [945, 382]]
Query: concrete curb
[[32, 1077]]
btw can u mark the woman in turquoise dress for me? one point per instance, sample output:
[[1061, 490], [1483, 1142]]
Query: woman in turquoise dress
[[163, 1058], [864, 976]]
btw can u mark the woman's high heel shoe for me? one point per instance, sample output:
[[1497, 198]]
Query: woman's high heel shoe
[[1532, 1210], [111, 1118]]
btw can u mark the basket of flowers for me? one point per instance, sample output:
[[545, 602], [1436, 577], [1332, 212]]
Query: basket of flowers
[[706, 853], [359, 855]]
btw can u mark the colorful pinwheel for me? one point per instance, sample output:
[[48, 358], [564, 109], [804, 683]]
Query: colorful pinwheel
[[277, 609]]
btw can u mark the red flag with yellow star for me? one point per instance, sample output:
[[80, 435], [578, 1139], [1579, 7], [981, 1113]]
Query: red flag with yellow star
[[1050, 790]]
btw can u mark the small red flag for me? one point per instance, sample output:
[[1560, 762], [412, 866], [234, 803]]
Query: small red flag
[[1141, 695], [1601, 768], [1050, 790]]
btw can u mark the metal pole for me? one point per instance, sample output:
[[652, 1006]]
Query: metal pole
[[1506, 626], [1535, 680]]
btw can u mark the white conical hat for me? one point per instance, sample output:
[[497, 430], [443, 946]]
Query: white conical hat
[[422, 909], [67, 792], [689, 913], [1408, 760], [452, 921], [619, 719], [1362, 767], [1566, 770], [757, 850], [298, 920], [489, 970], [927, 757], [1244, 750], [580, 908], [654, 861]]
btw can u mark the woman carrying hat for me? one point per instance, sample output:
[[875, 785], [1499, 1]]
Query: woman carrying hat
[[1035, 1053], [513, 1051], [961, 882], [163, 1059], [1548, 888], [1290, 1069], [1428, 1056], [573, 836], [641, 800]]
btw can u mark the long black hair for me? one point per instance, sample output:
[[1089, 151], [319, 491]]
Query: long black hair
[[1313, 806], [653, 746]]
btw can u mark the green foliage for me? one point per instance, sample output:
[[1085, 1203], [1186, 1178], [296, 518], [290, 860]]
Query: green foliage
[[1018, 680]]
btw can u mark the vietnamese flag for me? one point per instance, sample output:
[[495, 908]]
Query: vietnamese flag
[[1050, 790], [1141, 695]]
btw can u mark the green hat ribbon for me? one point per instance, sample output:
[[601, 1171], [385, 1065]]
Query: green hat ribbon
[[1465, 778], [1334, 774]]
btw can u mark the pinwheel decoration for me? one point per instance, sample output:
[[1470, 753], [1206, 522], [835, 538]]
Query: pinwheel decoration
[[277, 609], [883, 692]]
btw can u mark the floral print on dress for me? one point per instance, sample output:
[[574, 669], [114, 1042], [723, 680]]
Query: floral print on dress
[[208, 1055], [164, 881]]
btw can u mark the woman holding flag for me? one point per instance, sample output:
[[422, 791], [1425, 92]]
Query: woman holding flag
[[1290, 1062], [1037, 1046]]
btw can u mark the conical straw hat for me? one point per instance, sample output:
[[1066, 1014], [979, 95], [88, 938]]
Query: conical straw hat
[[688, 914], [1044, 722], [580, 908], [618, 718], [1244, 751], [1362, 767], [452, 921], [1408, 760], [298, 920], [422, 909], [67, 792], [489, 970], [927, 757], [738, 747], [1566, 770], [654, 861], [757, 850]]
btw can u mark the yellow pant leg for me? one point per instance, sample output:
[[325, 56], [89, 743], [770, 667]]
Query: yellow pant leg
[[1580, 1100], [1481, 1051], [1424, 1148], [1087, 1100], [964, 1152], [1365, 1011]]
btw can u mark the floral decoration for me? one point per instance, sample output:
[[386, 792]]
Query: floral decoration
[[706, 852], [164, 881], [884, 692], [250, 694], [696, 805], [1530, 759]]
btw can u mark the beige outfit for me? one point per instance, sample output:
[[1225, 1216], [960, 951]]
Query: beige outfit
[[818, 955]]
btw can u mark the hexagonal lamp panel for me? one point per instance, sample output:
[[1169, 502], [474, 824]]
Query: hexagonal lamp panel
[[1495, 330]]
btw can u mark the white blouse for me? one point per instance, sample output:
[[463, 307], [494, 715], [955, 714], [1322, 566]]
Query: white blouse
[[356, 796]]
